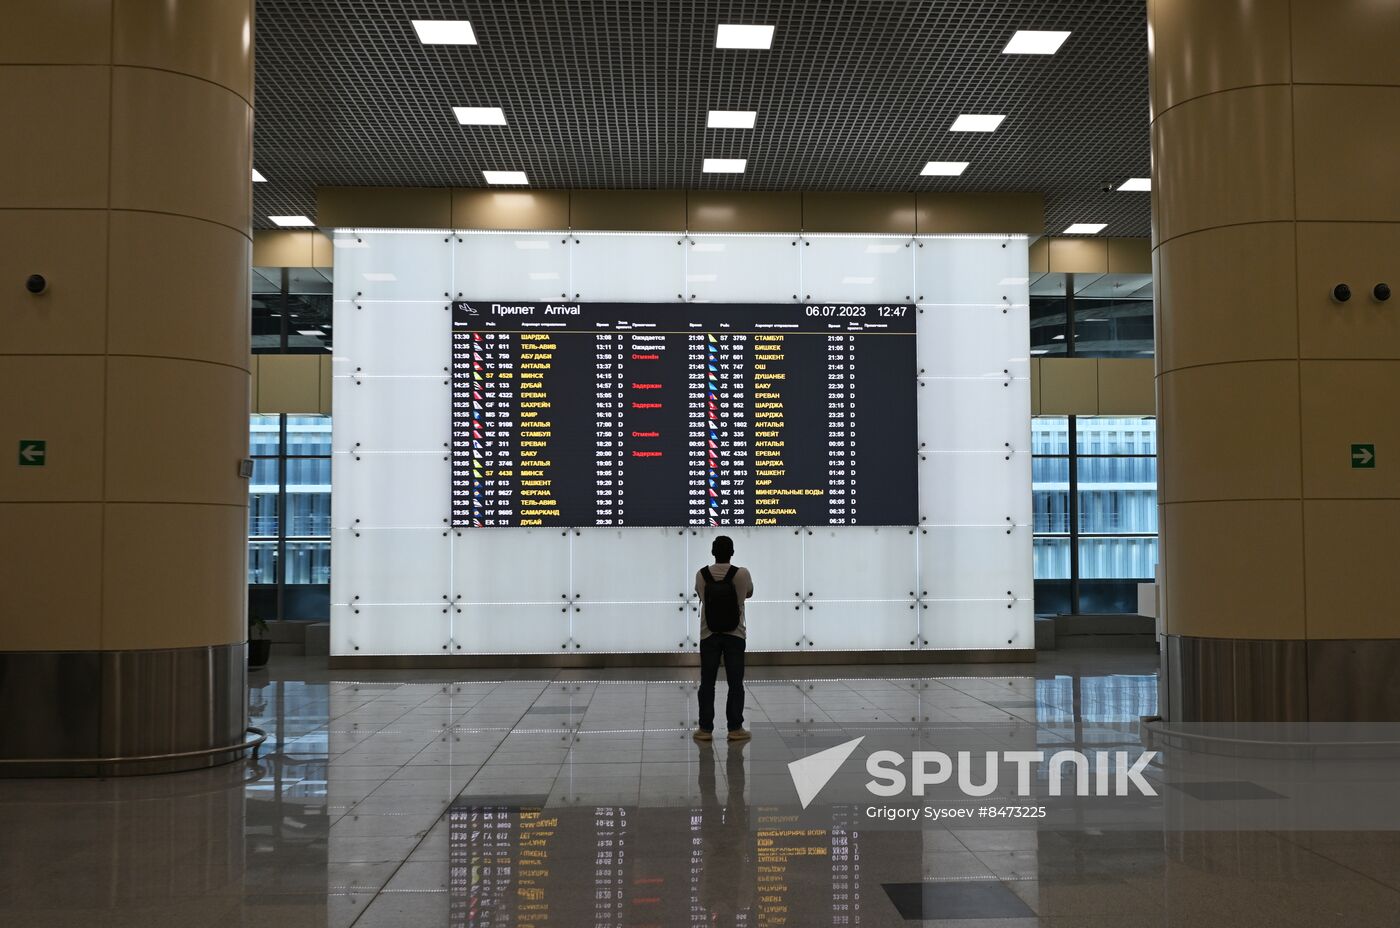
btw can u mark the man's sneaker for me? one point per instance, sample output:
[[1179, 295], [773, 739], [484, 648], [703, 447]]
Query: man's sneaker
[[740, 734], [703, 735]]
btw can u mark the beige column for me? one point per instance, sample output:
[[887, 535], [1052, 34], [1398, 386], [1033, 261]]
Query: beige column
[[125, 184], [1275, 141]]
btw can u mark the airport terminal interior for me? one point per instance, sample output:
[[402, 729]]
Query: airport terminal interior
[[649, 463]]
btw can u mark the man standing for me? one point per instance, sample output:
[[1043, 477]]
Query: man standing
[[723, 589]]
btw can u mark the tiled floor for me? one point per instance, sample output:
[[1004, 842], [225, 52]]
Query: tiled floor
[[577, 798]]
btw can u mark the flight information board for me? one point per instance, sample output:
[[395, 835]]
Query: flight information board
[[579, 414]]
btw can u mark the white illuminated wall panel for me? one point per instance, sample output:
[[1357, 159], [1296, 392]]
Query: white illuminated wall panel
[[654, 572], [858, 269], [744, 268], [405, 584], [381, 490], [773, 554], [514, 629], [628, 267], [392, 339], [967, 341], [861, 563], [393, 265], [987, 493], [964, 562], [366, 630], [513, 565], [617, 627], [389, 414], [976, 585], [389, 566], [776, 626], [527, 266], [860, 626], [945, 426]]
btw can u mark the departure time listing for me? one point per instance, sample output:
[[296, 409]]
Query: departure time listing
[[574, 414]]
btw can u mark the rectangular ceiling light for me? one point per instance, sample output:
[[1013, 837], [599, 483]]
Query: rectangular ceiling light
[[732, 36], [1138, 184], [1034, 42], [974, 122], [444, 31], [257, 177], [1085, 228], [316, 332], [505, 177], [731, 119], [944, 168], [725, 165], [479, 115], [286, 221]]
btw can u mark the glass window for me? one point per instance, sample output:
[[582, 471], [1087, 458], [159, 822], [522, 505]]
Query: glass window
[[1112, 544], [292, 310], [1050, 488], [1112, 315], [1050, 494], [1117, 511], [309, 323], [289, 520], [308, 562], [1050, 435], [1051, 558], [308, 497], [262, 498], [308, 435], [1127, 558], [1113, 328], [1049, 308], [1115, 435], [266, 293], [264, 435], [262, 562]]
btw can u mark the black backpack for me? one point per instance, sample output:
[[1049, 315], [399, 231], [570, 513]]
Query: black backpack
[[721, 600]]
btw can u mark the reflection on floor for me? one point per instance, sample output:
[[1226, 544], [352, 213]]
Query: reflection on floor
[[577, 798]]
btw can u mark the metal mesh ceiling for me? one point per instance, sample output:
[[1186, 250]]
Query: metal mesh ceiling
[[853, 95]]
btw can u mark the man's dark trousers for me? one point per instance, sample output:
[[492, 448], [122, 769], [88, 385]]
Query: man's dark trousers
[[729, 649]]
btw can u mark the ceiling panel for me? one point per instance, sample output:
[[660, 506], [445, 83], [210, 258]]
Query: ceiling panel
[[853, 95]]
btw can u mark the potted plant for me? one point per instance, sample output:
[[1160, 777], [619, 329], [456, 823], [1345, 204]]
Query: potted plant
[[259, 644]]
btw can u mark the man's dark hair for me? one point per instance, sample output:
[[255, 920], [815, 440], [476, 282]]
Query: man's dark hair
[[723, 548]]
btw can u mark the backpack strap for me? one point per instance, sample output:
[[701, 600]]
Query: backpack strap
[[730, 574], [709, 577]]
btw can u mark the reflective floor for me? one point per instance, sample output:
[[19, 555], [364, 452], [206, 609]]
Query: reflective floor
[[578, 798]]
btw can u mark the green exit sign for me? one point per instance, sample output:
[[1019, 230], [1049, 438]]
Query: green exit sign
[[1363, 456], [32, 452]]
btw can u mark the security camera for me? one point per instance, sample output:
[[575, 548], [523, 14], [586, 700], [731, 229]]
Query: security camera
[[1381, 292], [36, 284], [1341, 293]]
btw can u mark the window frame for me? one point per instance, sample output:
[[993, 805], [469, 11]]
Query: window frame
[[282, 457], [1075, 534]]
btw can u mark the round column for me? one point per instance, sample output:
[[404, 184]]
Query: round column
[[124, 383], [1275, 128]]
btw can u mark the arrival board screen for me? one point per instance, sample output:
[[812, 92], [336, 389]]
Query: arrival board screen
[[579, 414]]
